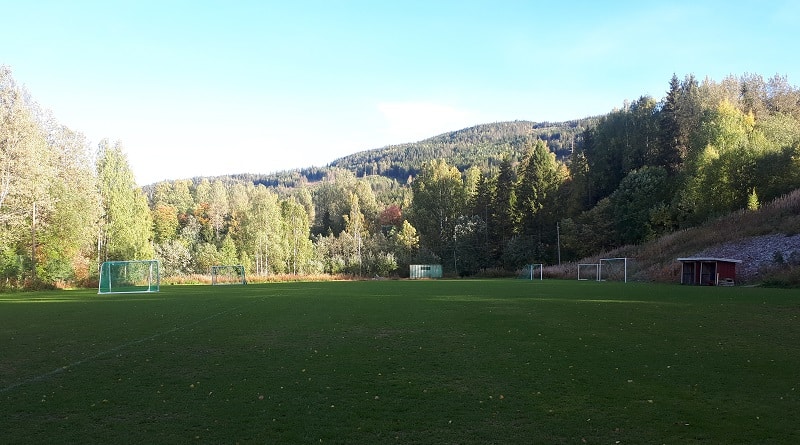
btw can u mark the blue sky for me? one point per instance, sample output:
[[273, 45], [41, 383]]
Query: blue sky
[[220, 87]]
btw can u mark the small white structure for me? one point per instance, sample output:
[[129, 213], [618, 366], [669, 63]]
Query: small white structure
[[532, 272], [590, 271], [418, 271], [613, 269]]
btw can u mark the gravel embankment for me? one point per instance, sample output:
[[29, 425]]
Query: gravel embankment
[[755, 252]]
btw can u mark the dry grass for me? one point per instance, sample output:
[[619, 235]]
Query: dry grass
[[255, 279]]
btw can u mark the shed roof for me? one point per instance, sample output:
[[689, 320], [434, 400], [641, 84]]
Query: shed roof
[[725, 260]]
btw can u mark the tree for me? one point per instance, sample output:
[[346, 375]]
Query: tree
[[468, 244], [331, 202], [481, 201], [604, 151], [639, 194], [69, 234], [261, 229], [126, 225], [331, 199], [405, 242], [577, 187], [205, 255], [48, 204], [439, 199], [202, 192], [503, 218], [356, 230], [175, 257], [391, 216], [227, 253], [165, 223], [540, 176], [295, 235], [181, 196], [782, 98], [27, 169], [752, 201], [670, 141], [218, 208]]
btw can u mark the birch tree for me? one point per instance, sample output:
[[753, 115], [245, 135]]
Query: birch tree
[[126, 223]]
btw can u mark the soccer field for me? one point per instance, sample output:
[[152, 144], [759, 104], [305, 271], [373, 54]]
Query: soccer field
[[435, 362]]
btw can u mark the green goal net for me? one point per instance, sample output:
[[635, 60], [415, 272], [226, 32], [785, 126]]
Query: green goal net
[[118, 277]]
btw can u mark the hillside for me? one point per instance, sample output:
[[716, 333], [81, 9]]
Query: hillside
[[767, 241], [483, 146]]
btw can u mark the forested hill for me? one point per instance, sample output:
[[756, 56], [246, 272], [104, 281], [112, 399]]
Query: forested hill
[[483, 146]]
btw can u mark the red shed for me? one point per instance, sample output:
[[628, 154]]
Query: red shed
[[708, 271]]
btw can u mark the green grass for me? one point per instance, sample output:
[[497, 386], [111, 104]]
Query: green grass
[[439, 362]]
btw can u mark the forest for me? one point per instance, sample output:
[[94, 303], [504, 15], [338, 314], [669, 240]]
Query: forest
[[486, 199]]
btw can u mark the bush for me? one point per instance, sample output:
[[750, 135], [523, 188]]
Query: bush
[[494, 272], [787, 277]]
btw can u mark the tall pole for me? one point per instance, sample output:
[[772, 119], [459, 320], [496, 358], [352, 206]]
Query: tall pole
[[558, 242], [33, 243]]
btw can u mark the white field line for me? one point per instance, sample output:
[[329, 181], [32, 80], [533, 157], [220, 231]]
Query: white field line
[[77, 363]]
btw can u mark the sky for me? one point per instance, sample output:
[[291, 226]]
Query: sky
[[206, 88]]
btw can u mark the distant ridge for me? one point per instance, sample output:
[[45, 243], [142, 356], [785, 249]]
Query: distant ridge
[[484, 146]]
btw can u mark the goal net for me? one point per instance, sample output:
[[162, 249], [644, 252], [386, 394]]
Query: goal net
[[530, 272], [228, 275], [588, 272], [118, 277], [613, 269]]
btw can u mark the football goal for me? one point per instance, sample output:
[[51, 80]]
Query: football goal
[[613, 269], [228, 275], [589, 272], [119, 277], [531, 272]]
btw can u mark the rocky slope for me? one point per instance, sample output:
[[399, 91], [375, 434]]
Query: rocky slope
[[756, 252]]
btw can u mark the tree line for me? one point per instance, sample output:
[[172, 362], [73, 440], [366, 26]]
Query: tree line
[[491, 197]]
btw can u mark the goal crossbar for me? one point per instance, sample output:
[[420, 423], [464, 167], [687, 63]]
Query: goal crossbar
[[228, 274], [530, 272], [605, 272], [127, 277], [590, 266]]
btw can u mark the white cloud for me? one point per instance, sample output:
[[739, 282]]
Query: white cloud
[[414, 121]]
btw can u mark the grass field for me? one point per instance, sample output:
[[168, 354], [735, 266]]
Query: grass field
[[438, 362]]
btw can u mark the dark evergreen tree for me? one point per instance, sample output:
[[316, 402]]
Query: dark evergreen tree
[[503, 218], [481, 204], [538, 181], [668, 152]]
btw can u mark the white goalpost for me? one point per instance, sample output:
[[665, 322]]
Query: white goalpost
[[589, 271], [613, 269], [228, 274], [531, 272], [120, 277]]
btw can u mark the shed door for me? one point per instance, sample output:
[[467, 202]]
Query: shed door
[[688, 273], [708, 273]]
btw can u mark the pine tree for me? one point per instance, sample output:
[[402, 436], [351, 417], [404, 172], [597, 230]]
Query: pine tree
[[668, 152], [503, 209]]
